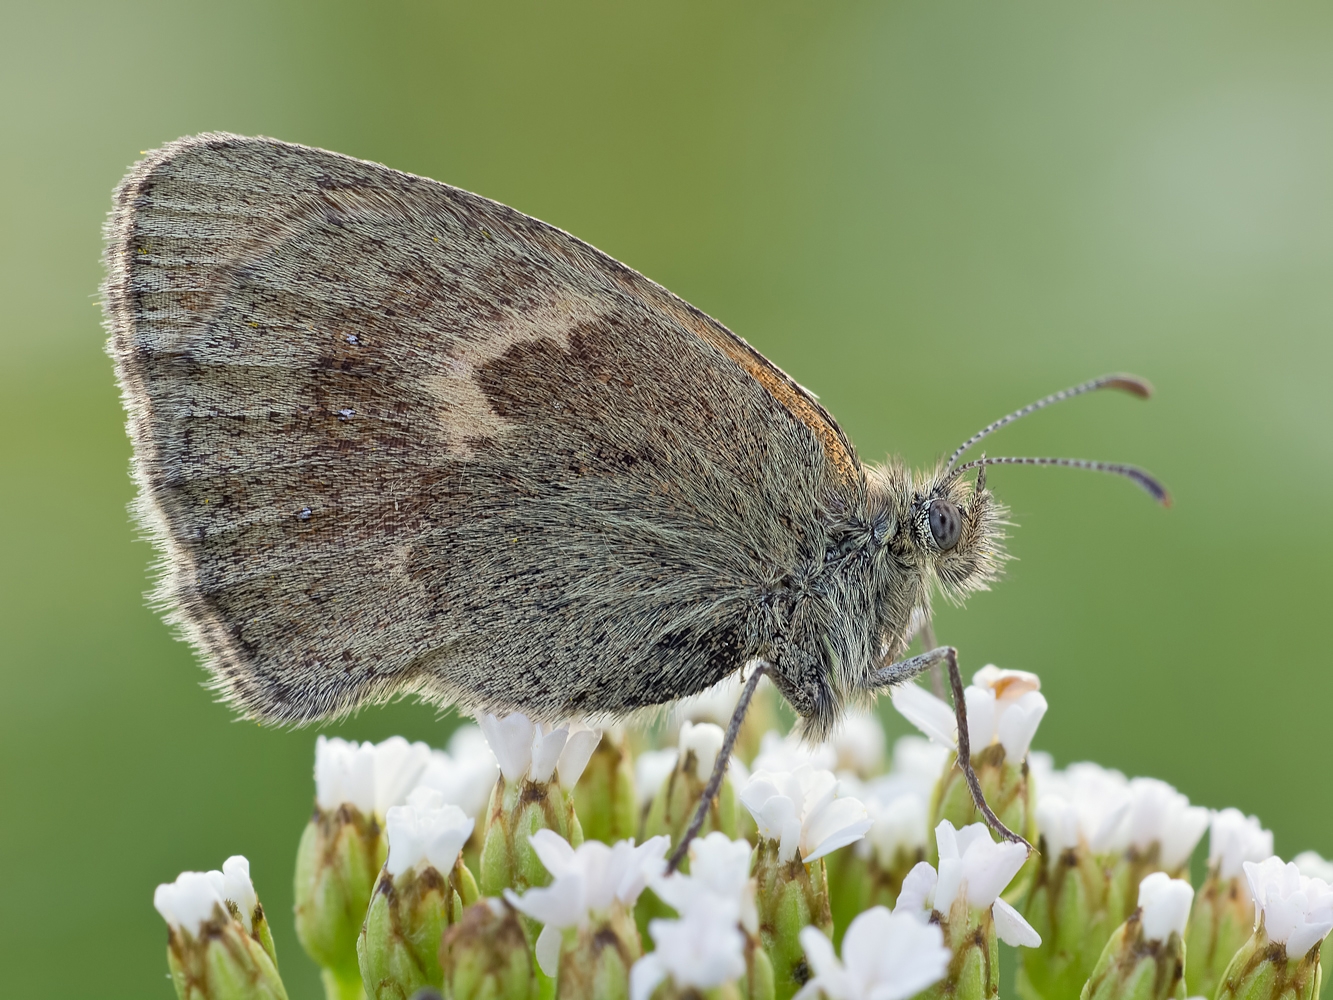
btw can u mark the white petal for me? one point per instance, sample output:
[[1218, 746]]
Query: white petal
[[548, 950], [929, 714], [1312, 865], [511, 742], [553, 851], [1011, 928], [546, 751], [982, 716], [651, 769], [578, 751], [893, 956], [823, 961], [189, 901], [1165, 905], [237, 887], [917, 897], [1233, 839], [557, 905], [841, 822], [704, 740], [1018, 723], [398, 764], [645, 976]]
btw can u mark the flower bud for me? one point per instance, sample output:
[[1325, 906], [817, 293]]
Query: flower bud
[[340, 852], [677, 798], [342, 848], [218, 946], [589, 941], [963, 898], [420, 892], [1069, 905], [1145, 957], [604, 798], [801, 819], [538, 770], [1293, 916], [485, 955], [1223, 914], [1004, 709], [1312, 864]]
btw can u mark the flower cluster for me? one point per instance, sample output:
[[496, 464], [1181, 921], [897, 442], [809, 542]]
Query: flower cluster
[[529, 860]]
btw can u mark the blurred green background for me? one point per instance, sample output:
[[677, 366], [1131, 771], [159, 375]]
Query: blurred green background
[[929, 213]]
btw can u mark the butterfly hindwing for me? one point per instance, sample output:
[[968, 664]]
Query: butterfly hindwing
[[391, 436]]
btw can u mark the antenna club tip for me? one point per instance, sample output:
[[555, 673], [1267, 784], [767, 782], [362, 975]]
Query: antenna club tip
[[1165, 499], [1131, 384]]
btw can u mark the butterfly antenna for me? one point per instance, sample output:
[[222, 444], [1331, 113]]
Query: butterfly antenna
[[1146, 480], [1126, 383]]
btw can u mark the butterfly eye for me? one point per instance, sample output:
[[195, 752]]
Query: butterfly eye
[[945, 523]]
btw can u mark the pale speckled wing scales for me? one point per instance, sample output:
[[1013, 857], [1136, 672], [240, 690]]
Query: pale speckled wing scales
[[391, 436]]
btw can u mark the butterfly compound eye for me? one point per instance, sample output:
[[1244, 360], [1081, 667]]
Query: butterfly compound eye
[[945, 523]]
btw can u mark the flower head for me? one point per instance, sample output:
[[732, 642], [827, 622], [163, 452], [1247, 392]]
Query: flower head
[[802, 810], [719, 877], [525, 749], [195, 897], [972, 867], [1233, 839], [787, 753], [651, 768], [587, 882], [426, 831], [1164, 903], [465, 774], [1084, 801], [703, 949], [899, 818], [1158, 814], [371, 777], [885, 956], [1003, 706], [1296, 910], [1312, 864]]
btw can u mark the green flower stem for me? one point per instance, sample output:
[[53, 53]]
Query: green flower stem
[[1221, 921], [1070, 905], [1133, 967], [222, 963], [340, 854], [399, 945], [974, 970], [604, 798], [1262, 970], [485, 955], [790, 896]]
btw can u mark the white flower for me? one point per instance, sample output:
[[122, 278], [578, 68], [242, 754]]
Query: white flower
[[1233, 839], [704, 740], [1164, 903], [529, 750], [587, 882], [859, 744], [190, 901], [787, 753], [1003, 706], [368, 776], [920, 762], [466, 774], [885, 956], [1310, 863], [719, 876], [899, 818], [974, 867], [703, 949], [1158, 814], [801, 810], [426, 831], [651, 768], [1296, 910], [1088, 800]]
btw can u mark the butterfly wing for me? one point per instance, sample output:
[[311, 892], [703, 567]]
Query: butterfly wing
[[394, 437]]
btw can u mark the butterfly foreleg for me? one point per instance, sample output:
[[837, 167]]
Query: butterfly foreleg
[[906, 670]]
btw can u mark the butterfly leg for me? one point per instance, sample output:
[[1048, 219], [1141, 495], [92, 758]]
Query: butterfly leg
[[719, 769], [904, 671]]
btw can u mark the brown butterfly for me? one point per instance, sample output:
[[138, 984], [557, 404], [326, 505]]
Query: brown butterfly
[[392, 437]]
